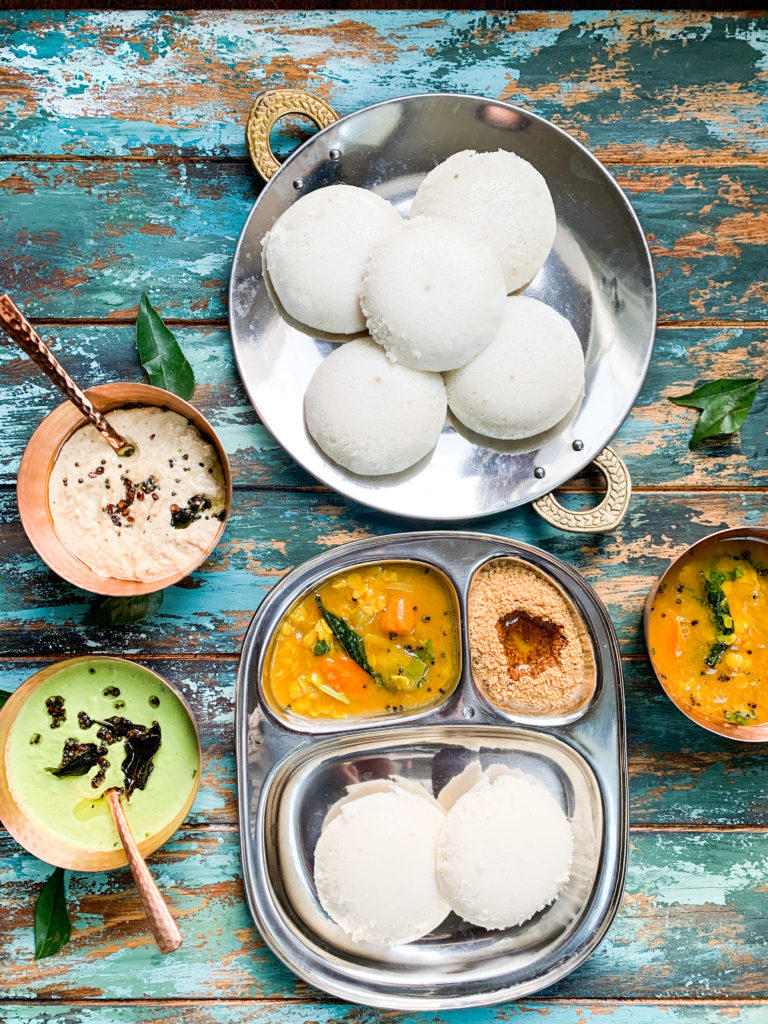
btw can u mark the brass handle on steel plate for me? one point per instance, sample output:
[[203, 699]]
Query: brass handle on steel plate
[[269, 107], [267, 110]]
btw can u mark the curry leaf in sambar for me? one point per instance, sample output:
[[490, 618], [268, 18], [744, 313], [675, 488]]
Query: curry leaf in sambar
[[122, 611], [52, 925], [724, 406], [160, 354]]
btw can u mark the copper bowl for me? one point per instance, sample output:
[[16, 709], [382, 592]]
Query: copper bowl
[[33, 835], [743, 733], [38, 461]]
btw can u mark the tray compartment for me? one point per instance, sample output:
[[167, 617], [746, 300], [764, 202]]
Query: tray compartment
[[452, 645]]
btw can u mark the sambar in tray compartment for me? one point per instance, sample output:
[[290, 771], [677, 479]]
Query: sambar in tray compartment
[[376, 640], [362, 818]]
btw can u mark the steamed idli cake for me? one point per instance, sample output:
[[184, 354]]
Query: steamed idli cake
[[370, 415], [432, 294], [504, 851], [526, 380], [502, 199], [316, 251], [375, 868]]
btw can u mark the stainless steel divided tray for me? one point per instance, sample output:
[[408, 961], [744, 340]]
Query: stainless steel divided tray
[[288, 779]]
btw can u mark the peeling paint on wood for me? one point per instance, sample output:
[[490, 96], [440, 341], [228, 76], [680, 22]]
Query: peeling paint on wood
[[632, 85]]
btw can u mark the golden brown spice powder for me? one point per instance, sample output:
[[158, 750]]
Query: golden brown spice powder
[[527, 645]]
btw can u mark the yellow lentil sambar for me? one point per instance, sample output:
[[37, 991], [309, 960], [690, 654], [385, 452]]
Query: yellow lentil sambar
[[708, 632], [376, 639]]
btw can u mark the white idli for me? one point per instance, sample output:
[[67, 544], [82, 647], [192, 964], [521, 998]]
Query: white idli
[[370, 415], [502, 199], [432, 294], [526, 380], [316, 251], [375, 868], [504, 852], [390, 785]]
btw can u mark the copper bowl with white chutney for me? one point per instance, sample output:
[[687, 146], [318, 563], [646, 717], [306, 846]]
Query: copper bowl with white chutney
[[40, 457]]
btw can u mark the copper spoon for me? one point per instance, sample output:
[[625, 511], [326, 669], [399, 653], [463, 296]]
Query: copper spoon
[[17, 327], [164, 928]]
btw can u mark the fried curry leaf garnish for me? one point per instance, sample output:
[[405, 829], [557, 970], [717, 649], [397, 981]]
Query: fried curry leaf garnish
[[4, 695], [721, 615], [724, 406], [160, 355], [52, 925], [351, 641], [122, 611], [78, 759], [141, 745]]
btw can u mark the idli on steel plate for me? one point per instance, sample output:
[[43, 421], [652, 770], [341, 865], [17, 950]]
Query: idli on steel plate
[[502, 199], [370, 415], [526, 380], [375, 868], [433, 294], [316, 251], [504, 851]]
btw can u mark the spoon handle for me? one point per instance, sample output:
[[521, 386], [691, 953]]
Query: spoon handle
[[17, 327], [164, 928]]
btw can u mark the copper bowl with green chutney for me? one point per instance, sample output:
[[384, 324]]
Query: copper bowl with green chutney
[[62, 746]]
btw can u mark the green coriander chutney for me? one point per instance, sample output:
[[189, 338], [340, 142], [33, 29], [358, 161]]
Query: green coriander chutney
[[70, 806]]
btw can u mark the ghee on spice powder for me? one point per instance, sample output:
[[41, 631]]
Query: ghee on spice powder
[[529, 650]]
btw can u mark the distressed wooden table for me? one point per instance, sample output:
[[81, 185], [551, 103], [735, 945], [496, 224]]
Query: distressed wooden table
[[122, 169]]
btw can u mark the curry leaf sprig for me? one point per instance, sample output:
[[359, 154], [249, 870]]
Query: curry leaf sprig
[[721, 615], [160, 354], [52, 925], [351, 641], [723, 406]]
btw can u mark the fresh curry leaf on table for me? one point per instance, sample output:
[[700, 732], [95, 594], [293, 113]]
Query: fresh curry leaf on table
[[122, 611], [52, 925], [160, 354], [724, 406]]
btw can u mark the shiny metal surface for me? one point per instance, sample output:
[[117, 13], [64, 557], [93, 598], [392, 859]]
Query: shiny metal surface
[[599, 275], [287, 780]]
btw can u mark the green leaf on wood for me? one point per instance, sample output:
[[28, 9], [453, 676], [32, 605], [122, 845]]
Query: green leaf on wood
[[4, 695], [160, 355], [122, 611], [724, 406], [52, 925]]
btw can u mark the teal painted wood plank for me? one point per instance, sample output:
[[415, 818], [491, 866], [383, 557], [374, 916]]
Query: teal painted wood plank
[[242, 1012], [693, 925], [83, 239], [626, 83], [269, 532], [653, 440], [679, 774]]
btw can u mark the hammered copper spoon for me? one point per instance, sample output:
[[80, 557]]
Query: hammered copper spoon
[[164, 929], [17, 327]]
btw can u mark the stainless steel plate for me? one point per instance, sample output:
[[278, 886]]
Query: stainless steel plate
[[287, 780], [599, 275]]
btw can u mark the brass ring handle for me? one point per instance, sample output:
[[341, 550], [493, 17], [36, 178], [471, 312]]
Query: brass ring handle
[[269, 107], [603, 517]]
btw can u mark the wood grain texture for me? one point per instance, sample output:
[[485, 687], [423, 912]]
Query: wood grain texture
[[693, 925], [679, 774], [82, 239], [633, 86], [653, 441], [269, 532]]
